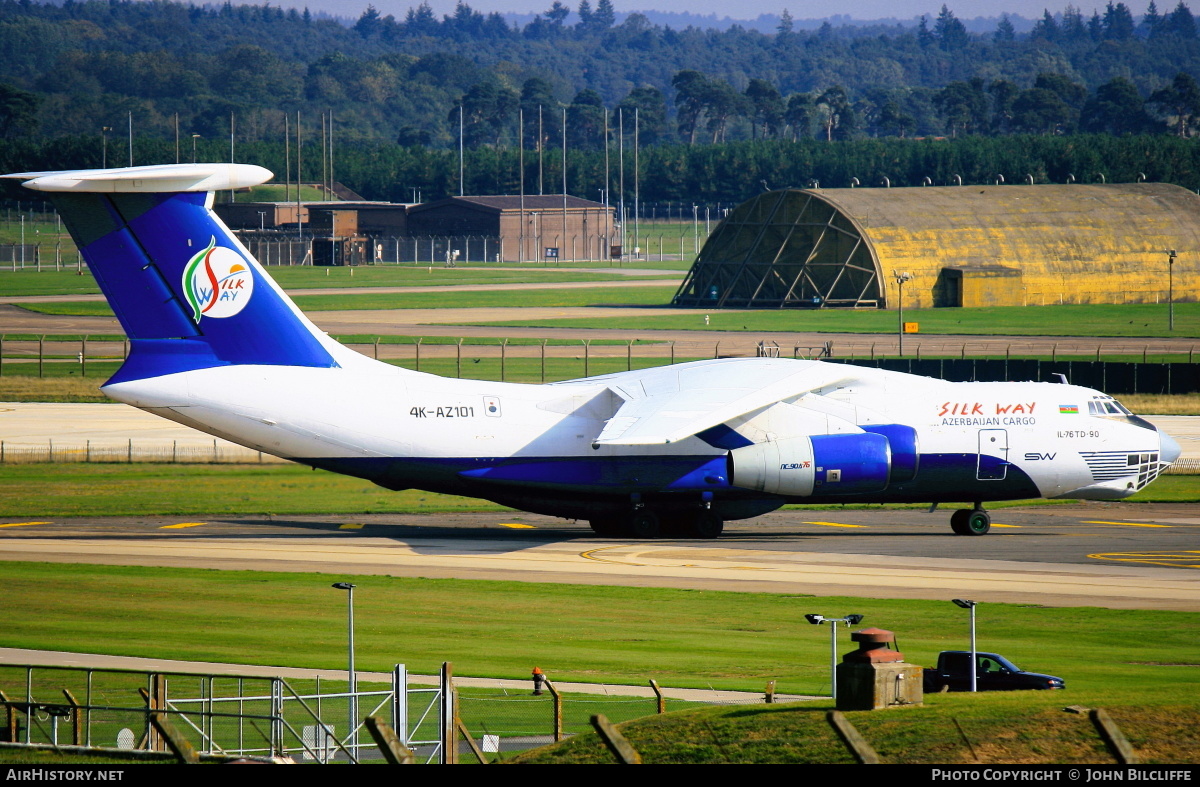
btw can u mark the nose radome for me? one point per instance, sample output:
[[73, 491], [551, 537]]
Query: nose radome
[[1169, 450]]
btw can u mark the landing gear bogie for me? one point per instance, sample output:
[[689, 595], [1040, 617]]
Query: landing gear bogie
[[644, 523], [970, 522]]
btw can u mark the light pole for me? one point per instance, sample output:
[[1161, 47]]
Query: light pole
[[22, 241], [849, 620], [695, 229], [1171, 290], [901, 277], [194, 138], [353, 683], [965, 604], [104, 146]]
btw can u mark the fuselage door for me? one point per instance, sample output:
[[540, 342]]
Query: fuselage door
[[993, 455]]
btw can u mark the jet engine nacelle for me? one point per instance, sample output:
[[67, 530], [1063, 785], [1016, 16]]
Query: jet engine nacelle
[[817, 464]]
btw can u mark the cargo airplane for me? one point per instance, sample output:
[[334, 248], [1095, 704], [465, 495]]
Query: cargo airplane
[[675, 450]]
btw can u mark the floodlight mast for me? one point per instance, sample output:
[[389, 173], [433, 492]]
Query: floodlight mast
[[967, 604], [849, 620]]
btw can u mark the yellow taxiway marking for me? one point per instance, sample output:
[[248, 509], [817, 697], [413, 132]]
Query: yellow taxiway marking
[[23, 524], [1126, 524], [517, 526], [182, 525], [1188, 559], [832, 524], [996, 525], [590, 554], [350, 527]]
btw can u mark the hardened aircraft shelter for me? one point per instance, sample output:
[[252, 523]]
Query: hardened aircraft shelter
[[1005, 245]]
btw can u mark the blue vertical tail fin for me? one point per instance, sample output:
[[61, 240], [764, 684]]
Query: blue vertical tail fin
[[185, 290]]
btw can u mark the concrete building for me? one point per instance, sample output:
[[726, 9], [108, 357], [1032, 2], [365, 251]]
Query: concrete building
[[1007, 245]]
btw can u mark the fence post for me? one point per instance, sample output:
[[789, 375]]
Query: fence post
[[418, 351], [2, 355], [858, 746], [615, 741], [1116, 741], [659, 701], [544, 359], [395, 752], [76, 718], [629, 356], [10, 719], [83, 357], [558, 711], [449, 733], [458, 357], [377, 348], [672, 352], [503, 349], [41, 355], [586, 344]]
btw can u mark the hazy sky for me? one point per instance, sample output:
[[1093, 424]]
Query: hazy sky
[[800, 9]]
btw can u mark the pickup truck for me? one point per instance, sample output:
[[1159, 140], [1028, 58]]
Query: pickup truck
[[993, 672]]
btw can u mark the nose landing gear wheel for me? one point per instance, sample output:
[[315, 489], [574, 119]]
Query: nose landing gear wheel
[[970, 522]]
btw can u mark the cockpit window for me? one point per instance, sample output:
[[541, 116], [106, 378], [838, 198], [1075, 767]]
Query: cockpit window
[[1107, 407]]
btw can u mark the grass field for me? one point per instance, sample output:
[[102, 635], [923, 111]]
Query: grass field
[[144, 489], [29, 281], [1117, 320], [684, 638], [636, 296], [147, 489]]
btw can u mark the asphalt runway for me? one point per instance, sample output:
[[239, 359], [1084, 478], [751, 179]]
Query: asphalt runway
[[1108, 555]]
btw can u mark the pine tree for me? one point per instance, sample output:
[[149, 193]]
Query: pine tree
[[605, 16], [1004, 30]]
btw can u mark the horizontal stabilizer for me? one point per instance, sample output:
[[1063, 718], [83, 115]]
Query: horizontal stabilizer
[[160, 178]]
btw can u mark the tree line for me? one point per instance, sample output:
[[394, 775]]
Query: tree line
[[77, 68], [681, 173]]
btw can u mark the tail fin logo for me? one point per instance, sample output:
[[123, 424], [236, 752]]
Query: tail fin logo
[[217, 282]]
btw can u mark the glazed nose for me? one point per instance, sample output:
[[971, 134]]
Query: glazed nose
[[1168, 450]]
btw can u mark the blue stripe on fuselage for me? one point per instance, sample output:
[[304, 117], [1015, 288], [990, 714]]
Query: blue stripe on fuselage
[[942, 477]]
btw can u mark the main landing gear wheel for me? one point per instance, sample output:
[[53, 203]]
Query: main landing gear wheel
[[644, 524], [707, 525], [971, 522], [606, 527]]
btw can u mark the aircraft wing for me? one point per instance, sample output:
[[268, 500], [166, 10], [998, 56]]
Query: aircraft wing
[[668, 404]]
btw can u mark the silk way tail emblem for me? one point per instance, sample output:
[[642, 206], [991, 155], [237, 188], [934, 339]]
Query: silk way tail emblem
[[217, 282]]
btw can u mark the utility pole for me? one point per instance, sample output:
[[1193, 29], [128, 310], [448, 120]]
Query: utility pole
[[1171, 290]]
